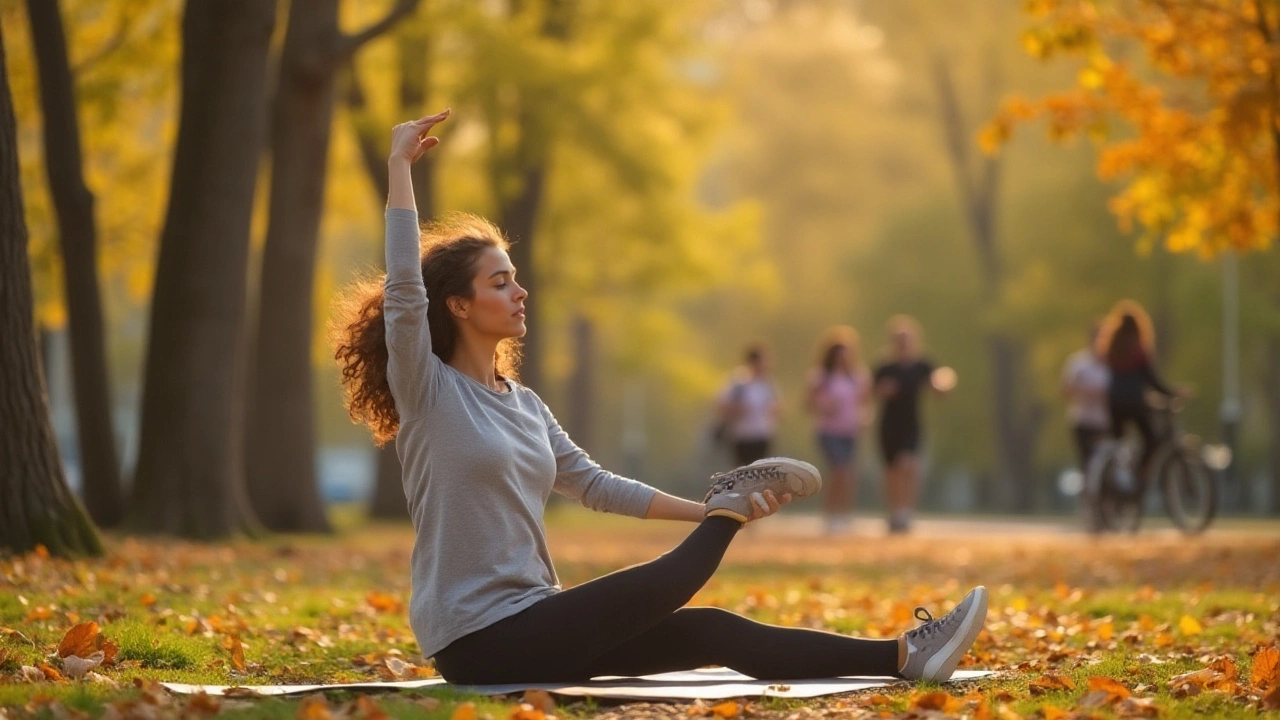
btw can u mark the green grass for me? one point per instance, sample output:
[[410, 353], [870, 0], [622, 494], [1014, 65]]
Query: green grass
[[304, 611]]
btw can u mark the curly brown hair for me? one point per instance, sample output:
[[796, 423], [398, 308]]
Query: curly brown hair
[[450, 248], [1126, 330]]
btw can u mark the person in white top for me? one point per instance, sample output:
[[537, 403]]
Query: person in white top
[[1085, 379], [749, 407]]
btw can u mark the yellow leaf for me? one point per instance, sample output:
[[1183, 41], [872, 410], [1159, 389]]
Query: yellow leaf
[[1189, 626], [1105, 631]]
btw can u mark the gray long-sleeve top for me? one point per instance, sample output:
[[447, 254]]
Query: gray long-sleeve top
[[479, 466]]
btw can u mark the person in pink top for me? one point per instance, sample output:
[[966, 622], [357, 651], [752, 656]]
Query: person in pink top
[[839, 389]]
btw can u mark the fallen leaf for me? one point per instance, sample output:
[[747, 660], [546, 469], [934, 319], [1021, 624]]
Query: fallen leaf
[[314, 707], [727, 709], [464, 711], [237, 653], [1271, 701], [1189, 626], [49, 672], [1050, 682], [1049, 712], [202, 704], [79, 640], [75, 667], [1137, 707], [1112, 687], [370, 709], [540, 699], [937, 700], [1265, 673]]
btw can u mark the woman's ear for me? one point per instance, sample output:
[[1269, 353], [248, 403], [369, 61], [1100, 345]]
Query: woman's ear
[[457, 307]]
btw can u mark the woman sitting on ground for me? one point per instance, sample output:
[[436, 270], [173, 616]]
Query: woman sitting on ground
[[429, 358]]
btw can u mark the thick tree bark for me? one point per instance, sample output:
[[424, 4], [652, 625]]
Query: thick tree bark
[[1017, 420], [190, 473], [280, 442], [100, 466], [36, 507], [414, 44]]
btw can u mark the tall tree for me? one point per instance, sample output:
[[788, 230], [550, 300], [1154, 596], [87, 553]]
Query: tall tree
[[190, 479], [1200, 158], [77, 232], [1018, 417], [280, 432], [37, 506], [415, 41]]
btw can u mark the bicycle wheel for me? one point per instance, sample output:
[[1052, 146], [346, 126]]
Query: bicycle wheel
[[1190, 493], [1119, 508]]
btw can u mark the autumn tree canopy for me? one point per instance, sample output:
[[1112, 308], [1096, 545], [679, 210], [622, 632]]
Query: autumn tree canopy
[[1183, 98]]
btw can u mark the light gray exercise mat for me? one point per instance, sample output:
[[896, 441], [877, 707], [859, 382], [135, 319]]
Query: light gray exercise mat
[[705, 684]]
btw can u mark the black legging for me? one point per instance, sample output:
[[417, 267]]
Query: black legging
[[632, 622]]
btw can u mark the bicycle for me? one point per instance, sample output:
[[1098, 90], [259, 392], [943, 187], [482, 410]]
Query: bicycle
[[1115, 490]]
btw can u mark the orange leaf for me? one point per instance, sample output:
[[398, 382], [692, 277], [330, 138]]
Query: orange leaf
[[314, 707], [727, 709], [237, 653], [1049, 712], [540, 699], [202, 704], [79, 640], [1271, 701], [50, 672], [464, 711], [383, 603], [1050, 682], [1116, 690], [370, 709], [937, 700], [147, 599], [1265, 674]]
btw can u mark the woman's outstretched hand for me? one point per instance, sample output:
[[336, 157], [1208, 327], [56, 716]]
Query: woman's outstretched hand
[[765, 504], [410, 140]]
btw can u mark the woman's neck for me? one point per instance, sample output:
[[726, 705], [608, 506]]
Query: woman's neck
[[474, 358]]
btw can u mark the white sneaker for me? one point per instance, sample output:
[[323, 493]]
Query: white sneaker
[[730, 493]]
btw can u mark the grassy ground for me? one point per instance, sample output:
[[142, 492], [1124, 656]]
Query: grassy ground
[[1068, 612]]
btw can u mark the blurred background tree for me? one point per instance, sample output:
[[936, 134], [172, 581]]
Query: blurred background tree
[[680, 178]]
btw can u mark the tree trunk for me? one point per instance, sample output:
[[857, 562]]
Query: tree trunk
[[582, 386], [78, 241], [414, 44], [1272, 387], [190, 473], [36, 507], [280, 443], [518, 216], [1017, 420]]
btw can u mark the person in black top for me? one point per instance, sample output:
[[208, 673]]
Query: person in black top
[[1126, 343], [897, 384]]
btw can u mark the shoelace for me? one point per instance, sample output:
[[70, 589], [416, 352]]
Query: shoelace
[[930, 625], [729, 479]]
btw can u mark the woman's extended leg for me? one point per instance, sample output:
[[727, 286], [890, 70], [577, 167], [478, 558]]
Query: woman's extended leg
[[554, 638], [694, 637]]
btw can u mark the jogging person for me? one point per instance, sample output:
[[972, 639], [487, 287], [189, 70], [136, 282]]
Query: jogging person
[[898, 383], [429, 358], [748, 406]]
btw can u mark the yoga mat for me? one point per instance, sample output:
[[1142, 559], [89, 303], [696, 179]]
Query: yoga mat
[[704, 684]]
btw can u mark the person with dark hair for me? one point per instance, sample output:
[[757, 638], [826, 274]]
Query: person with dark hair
[[748, 406], [839, 389], [1126, 341], [1086, 381], [898, 383], [428, 358]]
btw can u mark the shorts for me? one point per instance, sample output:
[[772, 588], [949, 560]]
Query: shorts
[[838, 450], [895, 441]]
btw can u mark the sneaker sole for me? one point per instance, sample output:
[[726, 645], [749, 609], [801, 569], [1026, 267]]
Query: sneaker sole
[[940, 667], [803, 479]]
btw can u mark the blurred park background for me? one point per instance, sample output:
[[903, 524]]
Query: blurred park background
[[681, 179]]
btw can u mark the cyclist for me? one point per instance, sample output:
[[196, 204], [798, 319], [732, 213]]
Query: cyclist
[[1126, 341]]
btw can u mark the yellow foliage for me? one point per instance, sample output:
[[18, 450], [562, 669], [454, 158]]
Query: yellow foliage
[[1201, 163]]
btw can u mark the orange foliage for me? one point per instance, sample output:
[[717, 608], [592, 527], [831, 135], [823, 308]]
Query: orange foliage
[[1200, 151]]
